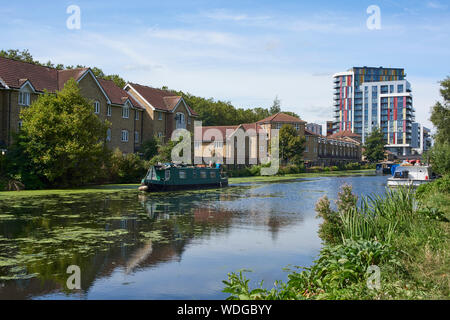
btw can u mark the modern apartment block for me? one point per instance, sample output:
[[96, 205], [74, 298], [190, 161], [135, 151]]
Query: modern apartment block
[[366, 98], [420, 138], [314, 128]]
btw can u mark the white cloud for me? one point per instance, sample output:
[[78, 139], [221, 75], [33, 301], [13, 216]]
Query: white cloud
[[197, 36], [226, 15], [435, 5]]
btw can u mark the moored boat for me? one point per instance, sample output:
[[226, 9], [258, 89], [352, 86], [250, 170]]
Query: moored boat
[[410, 176], [384, 167], [175, 177]]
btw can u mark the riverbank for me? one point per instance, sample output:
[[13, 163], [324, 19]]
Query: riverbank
[[111, 188], [395, 246]]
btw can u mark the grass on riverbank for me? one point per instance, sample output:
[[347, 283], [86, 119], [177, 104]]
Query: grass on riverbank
[[110, 188], [405, 235]]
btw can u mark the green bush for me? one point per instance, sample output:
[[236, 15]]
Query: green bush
[[439, 185], [339, 272], [126, 168]]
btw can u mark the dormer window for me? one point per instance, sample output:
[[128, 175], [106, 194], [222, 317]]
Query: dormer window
[[24, 98], [97, 107], [126, 111]]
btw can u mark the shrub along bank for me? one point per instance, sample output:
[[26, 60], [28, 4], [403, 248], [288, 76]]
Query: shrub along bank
[[404, 235]]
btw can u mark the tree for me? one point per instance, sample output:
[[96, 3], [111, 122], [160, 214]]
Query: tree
[[150, 148], [63, 138], [374, 146], [291, 145], [276, 106], [440, 117], [440, 114]]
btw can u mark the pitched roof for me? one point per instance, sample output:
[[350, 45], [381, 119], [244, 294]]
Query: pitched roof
[[222, 129], [15, 73], [160, 99], [281, 117], [65, 75], [116, 94], [344, 133]]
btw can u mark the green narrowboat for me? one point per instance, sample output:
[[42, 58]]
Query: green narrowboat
[[175, 177]]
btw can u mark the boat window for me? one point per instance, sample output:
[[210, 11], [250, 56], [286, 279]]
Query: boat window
[[182, 174], [154, 177], [212, 174], [203, 174], [167, 175]]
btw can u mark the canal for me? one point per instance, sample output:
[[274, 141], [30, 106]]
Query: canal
[[162, 246]]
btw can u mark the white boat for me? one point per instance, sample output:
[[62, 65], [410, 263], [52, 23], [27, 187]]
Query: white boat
[[410, 176]]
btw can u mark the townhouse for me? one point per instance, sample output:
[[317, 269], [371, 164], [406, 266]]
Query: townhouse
[[213, 142], [164, 111], [136, 112]]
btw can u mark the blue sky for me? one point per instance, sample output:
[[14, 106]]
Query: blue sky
[[246, 52]]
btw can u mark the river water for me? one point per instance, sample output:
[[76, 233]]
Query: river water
[[178, 245]]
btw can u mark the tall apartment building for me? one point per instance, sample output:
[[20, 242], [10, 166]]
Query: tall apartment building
[[314, 128], [375, 97], [420, 138]]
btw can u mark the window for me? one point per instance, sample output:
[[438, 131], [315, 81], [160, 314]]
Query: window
[[97, 107], [136, 137], [182, 174], [126, 111], [108, 111], [19, 125], [306, 149], [160, 134], [159, 115], [212, 174], [297, 126], [189, 120], [180, 121], [124, 136], [203, 174], [197, 144], [167, 175], [400, 88], [136, 116], [218, 144], [24, 98], [108, 134]]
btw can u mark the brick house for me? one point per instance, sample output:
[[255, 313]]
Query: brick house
[[136, 112], [164, 111]]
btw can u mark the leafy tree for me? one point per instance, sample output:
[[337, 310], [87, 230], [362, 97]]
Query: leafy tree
[[150, 148], [374, 146], [276, 106], [63, 138], [291, 145], [440, 114], [440, 117]]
